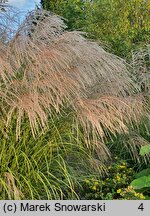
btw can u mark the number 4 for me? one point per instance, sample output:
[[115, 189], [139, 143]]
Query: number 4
[[141, 207]]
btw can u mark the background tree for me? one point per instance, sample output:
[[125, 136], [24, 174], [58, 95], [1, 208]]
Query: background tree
[[123, 25], [3, 4], [9, 23]]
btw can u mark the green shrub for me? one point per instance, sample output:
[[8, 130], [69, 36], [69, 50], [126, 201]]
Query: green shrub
[[142, 181], [114, 186]]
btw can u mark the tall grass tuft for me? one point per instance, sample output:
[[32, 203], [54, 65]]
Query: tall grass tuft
[[44, 68], [48, 167]]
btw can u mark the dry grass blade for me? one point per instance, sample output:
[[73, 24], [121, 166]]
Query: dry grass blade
[[141, 67], [52, 67], [107, 113], [13, 191]]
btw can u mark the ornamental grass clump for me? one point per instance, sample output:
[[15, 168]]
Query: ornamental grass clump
[[44, 68]]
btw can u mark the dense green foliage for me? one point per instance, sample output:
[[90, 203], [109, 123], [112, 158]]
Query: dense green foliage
[[48, 167], [57, 165], [114, 186], [142, 181], [123, 25]]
